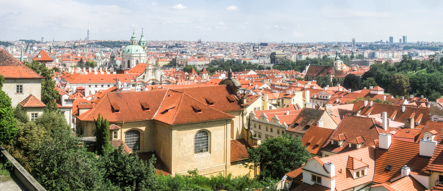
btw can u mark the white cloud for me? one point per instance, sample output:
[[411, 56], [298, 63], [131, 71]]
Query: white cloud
[[178, 7], [297, 34], [232, 8], [155, 4]]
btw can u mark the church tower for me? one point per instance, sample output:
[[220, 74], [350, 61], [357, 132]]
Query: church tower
[[142, 41], [338, 63], [133, 54]]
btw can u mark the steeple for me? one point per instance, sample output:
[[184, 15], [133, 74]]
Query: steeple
[[133, 38], [142, 41]]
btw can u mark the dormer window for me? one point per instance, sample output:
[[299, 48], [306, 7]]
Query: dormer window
[[231, 98], [115, 108], [196, 108], [316, 179], [145, 106], [209, 101]]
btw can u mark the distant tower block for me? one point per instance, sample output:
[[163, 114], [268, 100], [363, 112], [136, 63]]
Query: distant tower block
[[87, 34], [353, 43]]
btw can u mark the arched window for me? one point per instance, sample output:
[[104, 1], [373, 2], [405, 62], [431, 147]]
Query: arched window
[[129, 64], [132, 139], [201, 144]]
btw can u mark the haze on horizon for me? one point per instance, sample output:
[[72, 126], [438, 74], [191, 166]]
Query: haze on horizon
[[229, 21]]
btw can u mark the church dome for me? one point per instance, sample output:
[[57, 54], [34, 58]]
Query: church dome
[[133, 49]]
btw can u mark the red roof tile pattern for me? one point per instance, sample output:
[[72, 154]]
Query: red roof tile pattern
[[98, 78], [117, 143], [306, 118], [12, 68], [239, 150], [353, 129], [436, 161], [354, 163], [138, 69], [32, 101], [43, 57], [399, 154], [315, 71], [314, 139], [407, 183]]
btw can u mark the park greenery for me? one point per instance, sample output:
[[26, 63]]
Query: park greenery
[[278, 156], [7, 121], [86, 64], [110, 44]]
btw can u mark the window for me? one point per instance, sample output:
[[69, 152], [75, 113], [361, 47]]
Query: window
[[255, 126], [259, 126], [95, 85], [278, 131], [316, 179], [132, 139], [103, 85], [259, 135], [89, 85], [360, 173], [271, 129], [201, 144], [115, 135], [19, 89], [266, 128], [34, 116]]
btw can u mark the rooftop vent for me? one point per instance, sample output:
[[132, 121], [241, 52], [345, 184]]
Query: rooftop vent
[[209, 101], [388, 168], [145, 105], [196, 108]]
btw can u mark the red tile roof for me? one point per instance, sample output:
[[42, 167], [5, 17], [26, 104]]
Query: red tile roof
[[407, 183], [12, 68], [32, 101], [139, 69], [315, 137], [239, 150], [436, 162], [117, 143], [400, 153], [43, 57]]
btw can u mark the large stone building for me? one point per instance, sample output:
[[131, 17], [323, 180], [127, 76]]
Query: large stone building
[[189, 128]]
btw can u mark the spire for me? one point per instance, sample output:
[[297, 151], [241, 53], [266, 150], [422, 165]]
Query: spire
[[21, 55], [142, 41]]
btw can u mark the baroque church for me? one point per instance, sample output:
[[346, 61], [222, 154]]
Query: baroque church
[[134, 53]]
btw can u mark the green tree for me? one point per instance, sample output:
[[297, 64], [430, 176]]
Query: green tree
[[49, 93], [7, 121], [127, 171], [352, 81], [278, 156], [434, 95], [399, 85], [369, 82], [54, 122], [188, 68], [323, 81], [103, 135], [20, 114]]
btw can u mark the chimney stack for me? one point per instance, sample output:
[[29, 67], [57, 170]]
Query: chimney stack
[[405, 170], [403, 108], [384, 118], [330, 168], [365, 103], [384, 140], [307, 96], [370, 103]]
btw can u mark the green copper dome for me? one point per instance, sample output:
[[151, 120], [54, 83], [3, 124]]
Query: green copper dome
[[134, 49]]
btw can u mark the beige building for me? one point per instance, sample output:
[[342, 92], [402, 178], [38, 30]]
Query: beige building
[[189, 128], [22, 85]]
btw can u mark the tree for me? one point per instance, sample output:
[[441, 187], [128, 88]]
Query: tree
[[399, 85], [323, 81], [20, 114], [278, 156], [352, 82], [102, 135], [127, 171], [49, 93], [7, 121], [188, 68], [369, 82], [55, 123]]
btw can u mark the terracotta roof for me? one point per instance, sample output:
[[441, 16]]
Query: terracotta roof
[[436, 161], [43, 57], [315, 71], [407, 183], [186, 105], [117, 143], [316, 187], [239, 150], [204, 71], [138, 69], [354, 163], [114, 127], [77, 78], [353, 129], [399, 154], [32, 101], [316, 137], [12, 68], [306, 118]]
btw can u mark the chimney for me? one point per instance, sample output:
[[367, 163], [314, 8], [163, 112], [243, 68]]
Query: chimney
[[411, 96], [384, 140], [422, 96], [370, 87], [370, 103], [307, 96], [349, 90], [90, 70], [287, 113], [330, 168], [427, 147], [306, 86], [384, 118], [405, 170], [244, 99], [365, 103], [338, 85], [402, 97], [403, 108], [326, 88], [384, 98]]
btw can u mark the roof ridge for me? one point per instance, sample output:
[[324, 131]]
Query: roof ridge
[[178, 107], [161, 104]]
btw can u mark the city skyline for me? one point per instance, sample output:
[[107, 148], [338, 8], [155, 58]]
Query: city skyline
[[229, 21]]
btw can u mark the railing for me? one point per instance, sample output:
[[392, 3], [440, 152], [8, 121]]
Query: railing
[[23, 175]]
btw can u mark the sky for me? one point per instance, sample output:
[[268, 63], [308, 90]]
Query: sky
[[223, 20]]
